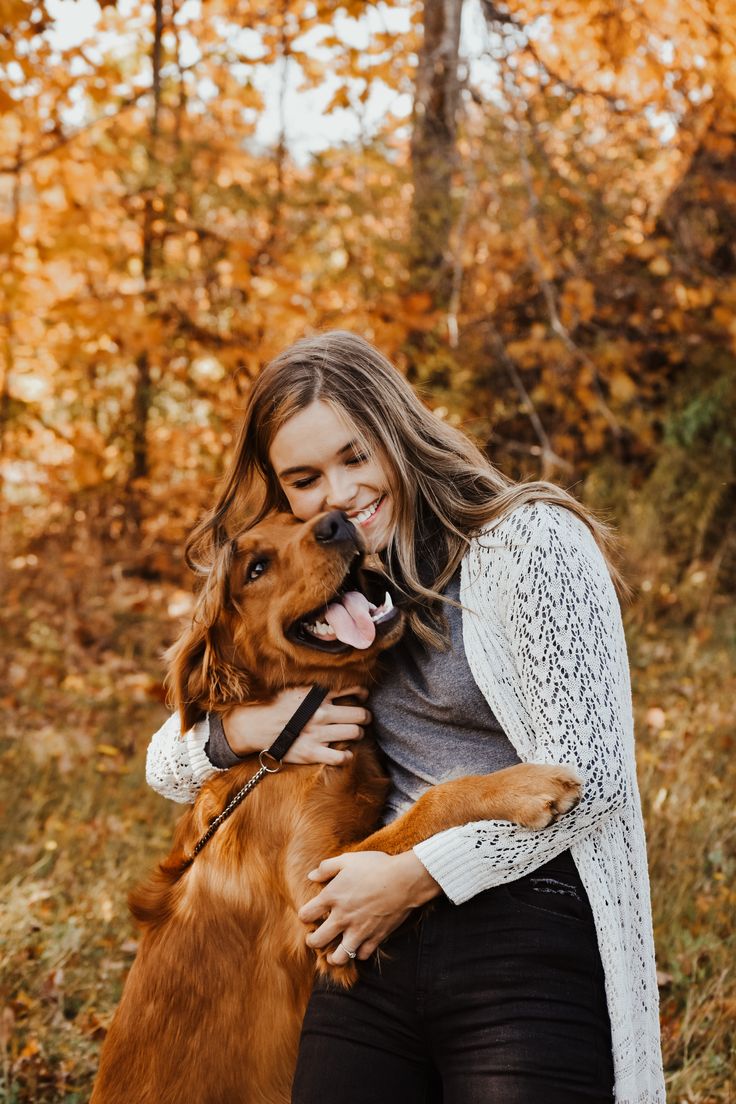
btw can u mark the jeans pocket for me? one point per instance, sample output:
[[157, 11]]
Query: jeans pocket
[[555, 895]]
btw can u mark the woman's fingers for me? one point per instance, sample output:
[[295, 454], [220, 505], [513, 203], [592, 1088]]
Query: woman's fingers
[[345, 732], [324, 934], [331, 724], [349, 940], [340, 956], [326, 870], [351, 714], [311, 749], [326, 721], [352, 692], [366, 949], [332, 757], [331, 715]]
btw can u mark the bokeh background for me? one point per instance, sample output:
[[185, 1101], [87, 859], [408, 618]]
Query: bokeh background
[[531, 208]]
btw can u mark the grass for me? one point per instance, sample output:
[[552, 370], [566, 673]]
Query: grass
[[684, 686], [80, 824]]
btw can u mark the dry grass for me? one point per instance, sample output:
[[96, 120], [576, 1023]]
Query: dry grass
[[684, 686], [81, 825]]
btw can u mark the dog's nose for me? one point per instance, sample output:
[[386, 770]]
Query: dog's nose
[[334, 528]]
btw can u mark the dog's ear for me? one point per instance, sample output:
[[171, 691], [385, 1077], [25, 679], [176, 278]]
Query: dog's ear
[[200, 672], [185, 679], [214, 598]]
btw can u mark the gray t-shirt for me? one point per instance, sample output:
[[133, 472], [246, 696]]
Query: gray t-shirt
[[429, 717]]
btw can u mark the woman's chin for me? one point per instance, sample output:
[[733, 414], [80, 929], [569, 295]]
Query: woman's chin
[[376, 536]]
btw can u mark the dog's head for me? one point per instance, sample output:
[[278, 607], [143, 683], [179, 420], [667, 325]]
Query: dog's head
[[285, 603]]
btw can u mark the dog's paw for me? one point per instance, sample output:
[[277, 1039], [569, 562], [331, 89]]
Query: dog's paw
[[550, 792]]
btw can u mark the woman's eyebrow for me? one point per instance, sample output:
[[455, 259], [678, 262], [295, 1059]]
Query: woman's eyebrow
[[310, 467]]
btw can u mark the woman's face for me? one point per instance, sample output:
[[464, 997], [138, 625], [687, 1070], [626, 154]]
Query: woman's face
[[320, 467]]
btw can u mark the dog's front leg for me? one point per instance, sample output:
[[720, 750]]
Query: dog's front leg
[[532, 795]]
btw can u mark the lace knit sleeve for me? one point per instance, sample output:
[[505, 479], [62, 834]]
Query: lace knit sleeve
[[176, 764], [562, 632]]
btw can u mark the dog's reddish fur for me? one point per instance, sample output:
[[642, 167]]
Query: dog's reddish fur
[[212, 1007]]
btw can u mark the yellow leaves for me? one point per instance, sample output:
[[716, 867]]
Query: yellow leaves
[[577, 302], [73, 682], [174, 250], [7, 103], [693, 298], [312, 67], [594, 436], [659, 266], [79, 178], [31, 1048], [637, 51], [415, 311], [263, 286], [418, 302], [340, 100], [622, 386], [724, 316], [87, 469]]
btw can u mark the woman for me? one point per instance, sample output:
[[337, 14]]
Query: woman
[[518, 966]]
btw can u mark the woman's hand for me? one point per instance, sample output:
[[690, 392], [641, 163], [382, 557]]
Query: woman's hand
[[253, 728], [368, 894]]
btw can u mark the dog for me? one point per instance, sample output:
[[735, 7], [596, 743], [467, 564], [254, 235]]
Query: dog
[[212, 1008]]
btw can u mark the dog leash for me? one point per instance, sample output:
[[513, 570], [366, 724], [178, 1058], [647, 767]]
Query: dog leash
[[275, 753]]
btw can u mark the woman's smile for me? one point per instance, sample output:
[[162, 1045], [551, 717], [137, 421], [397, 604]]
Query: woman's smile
[[365, 516]]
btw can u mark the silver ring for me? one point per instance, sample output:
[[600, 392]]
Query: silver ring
[[350, 954]]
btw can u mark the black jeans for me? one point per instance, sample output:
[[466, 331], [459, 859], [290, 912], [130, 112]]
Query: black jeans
[[499, 1000]]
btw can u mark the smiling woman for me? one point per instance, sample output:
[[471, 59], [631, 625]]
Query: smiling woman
[[514, 651]]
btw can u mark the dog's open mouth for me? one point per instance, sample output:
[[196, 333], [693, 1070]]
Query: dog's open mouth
[[352, 618]]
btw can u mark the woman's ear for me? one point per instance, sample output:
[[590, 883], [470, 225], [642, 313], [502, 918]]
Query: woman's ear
[[199, 675]]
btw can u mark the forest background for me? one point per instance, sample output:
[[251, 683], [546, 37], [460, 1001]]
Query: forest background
[[537, 225]]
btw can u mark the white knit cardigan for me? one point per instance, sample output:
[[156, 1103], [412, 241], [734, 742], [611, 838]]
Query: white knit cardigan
[[545, 643]]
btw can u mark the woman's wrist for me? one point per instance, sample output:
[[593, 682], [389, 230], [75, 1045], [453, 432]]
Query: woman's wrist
[[418, 883], [217, 749], [240, 737]]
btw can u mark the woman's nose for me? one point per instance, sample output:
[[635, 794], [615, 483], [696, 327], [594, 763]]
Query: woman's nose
[[341, 491]]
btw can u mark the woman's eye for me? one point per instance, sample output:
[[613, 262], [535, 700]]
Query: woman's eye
[[299, 484], [256, 568]]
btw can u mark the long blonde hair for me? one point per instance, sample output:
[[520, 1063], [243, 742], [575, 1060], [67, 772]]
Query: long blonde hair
[[444, 488]]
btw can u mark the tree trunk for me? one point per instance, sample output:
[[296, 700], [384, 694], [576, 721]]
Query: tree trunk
[[7, 320], [139, 468], [433, 154], [433, 160]]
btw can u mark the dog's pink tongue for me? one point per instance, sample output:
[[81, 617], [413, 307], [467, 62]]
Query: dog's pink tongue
[[350, 620]]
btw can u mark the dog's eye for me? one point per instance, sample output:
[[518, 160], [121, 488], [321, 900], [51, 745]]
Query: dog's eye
[[256, 568]]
